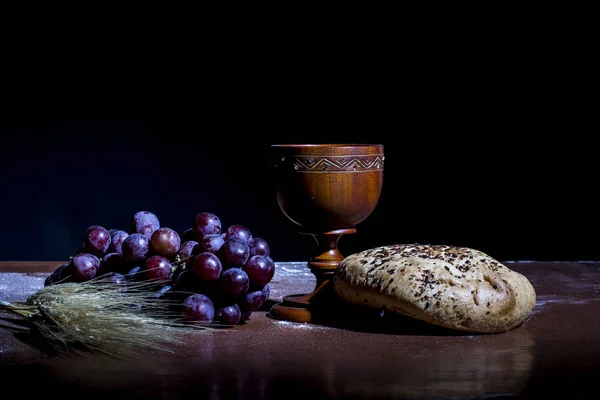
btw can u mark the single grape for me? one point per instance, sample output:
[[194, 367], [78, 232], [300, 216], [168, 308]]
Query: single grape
[[259, 246], [157, 268], [116, 241], [252, 300], [187, 281], [144, 222], [245, 316], [267, 290], [272, 261], [188, 251], [96, 240], [206, 223], [61, 274], [238, 231], [234, 253], [187, 235], [199, 307], [84, 266], [234, 282], [228, 315], [113, 262], [207, 266], [136, 247], [211, 242], [260, 270], [165, 242]]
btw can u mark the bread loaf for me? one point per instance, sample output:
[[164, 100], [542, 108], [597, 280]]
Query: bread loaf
[[454, 287]]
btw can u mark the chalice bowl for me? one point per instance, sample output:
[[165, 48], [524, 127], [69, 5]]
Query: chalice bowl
[[325, 189]]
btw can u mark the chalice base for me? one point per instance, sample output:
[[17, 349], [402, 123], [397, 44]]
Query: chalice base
[[316, 306]]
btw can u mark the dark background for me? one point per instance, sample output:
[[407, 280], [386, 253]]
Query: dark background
[[487, 137]]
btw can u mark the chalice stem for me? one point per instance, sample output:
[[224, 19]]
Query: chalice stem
[[326, 261], [327, 257]]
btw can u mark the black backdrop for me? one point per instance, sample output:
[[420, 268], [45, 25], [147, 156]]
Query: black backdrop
[[65, 171], [482, 151]]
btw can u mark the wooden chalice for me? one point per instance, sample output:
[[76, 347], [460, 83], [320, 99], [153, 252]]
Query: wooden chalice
[[325, 189]]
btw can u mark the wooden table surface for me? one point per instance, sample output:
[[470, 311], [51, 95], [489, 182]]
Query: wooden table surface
[[556, 351]]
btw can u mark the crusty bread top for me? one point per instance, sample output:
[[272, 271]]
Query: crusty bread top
[[455, 287]]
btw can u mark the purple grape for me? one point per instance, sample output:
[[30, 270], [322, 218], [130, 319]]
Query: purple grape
[[157, 268], [113, 262], [63, 271], [234, 283], [96, 240], [260, 270], [144, 222], [211, 242], [199, 307], [259, 246], [207, 266], [252, 300], [187, 235], [234, 253], [239, 232], [267, 290], [136, 247], [188, 251], [228, 315], [245, 316], [165, 242], [206, 223], [187, 281], [61, 274], [116, 241], [84, 266]]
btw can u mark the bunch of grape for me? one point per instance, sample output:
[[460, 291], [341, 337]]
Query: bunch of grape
[[214, 274]]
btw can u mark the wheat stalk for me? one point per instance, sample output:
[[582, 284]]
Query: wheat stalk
[[98, 315]]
